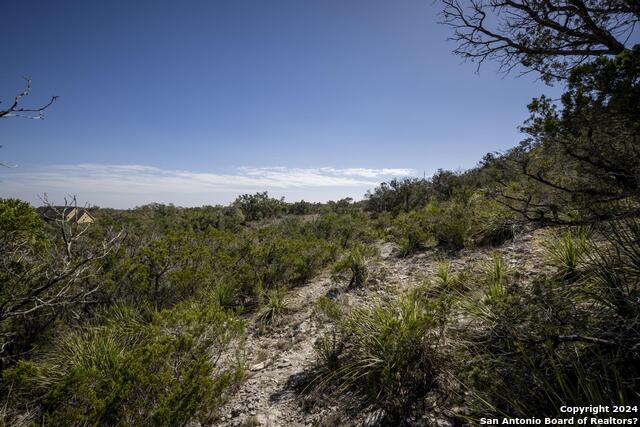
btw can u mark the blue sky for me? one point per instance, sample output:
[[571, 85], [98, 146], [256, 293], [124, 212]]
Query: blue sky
[[194, 102]]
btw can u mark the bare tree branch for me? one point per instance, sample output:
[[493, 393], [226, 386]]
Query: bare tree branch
[[51, 285], [15, 110], [547, 36]]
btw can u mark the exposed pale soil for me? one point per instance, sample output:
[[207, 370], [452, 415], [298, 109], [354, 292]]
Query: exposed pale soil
[[279, 358]]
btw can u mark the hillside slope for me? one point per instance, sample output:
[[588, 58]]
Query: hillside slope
[[281, 359]]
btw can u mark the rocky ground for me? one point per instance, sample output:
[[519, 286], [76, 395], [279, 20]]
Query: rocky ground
[[280, 358]]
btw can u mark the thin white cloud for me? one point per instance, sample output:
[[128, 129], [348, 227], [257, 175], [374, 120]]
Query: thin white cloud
[[371, 173], [323, 176], [142, 183]]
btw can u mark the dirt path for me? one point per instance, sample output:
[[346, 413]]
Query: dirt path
[[278, 359]]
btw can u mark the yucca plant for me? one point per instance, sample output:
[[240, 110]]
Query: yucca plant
[[537, 381], [614, 267], [442, 273], [329, 348], [275, 304], [496, 276], [386, 354], [539, 346], [567, 251], [496, 307], [492, 224], [355, 265], [494, 230], [445, 284], [95, 350]]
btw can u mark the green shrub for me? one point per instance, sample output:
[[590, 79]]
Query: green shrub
[[492, 224], [449, 223], [19, 223], [410, 244], [307, 257], [410, 232], [466, 218], [130, 372], [259, 206], [24, 250], [274, 259], [534, 348], [327, 307], [344, 230], [43, 268], [398, 196]]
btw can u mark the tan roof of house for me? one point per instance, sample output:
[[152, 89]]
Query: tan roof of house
[[52, 213]]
